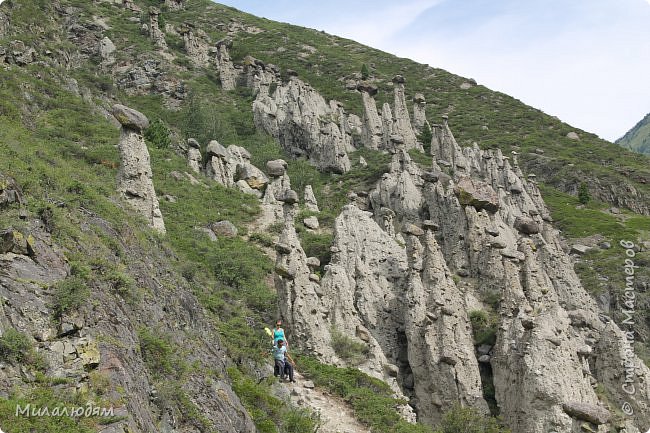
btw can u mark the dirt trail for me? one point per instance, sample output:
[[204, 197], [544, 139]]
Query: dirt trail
[[336, 415]]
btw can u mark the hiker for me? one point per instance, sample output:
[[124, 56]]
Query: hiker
[[278, 334], [283, 363]]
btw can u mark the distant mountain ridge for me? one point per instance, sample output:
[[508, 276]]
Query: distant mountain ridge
[[637, 139]]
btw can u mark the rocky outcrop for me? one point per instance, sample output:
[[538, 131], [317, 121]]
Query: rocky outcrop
[[196, 46], [227, 73], [104, 342], [175, 5], [372, 123], [194, 155], [487, 224], [305, 125], [107, 51], [310, 199], [230, 165], [402, 120], [392, 129], [420, 122], [134, 178], [10, 192], [156, 35]]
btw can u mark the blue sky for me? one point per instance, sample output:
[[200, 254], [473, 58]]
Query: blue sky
[[584, 61]]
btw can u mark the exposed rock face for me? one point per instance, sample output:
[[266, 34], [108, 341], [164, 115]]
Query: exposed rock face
[[372, 123], [228, 166], [304, 124], [227, 73], [551, 347], [392, 129], [157, 35], [107, 51], [196, 46], [105, 341], [194, 155], [134, 178]]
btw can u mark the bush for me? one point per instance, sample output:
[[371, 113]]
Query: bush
[[468, 420], [365, 72], [347, 348], [158, 134], [484, 327], [583, 193], [70, 294], [14, 346], [161, 357]]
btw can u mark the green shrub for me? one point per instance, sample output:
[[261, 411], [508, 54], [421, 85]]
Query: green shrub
[[70, 294], [484, 327], [365, 72], [15, 347], [583, 193], [468, 420], [270, 414], [347, 348], [158, 134], [161, 356]]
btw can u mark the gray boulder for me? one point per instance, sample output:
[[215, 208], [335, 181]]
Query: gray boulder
[[587, 412], [224, 229], [526, 225], [130, 118], [476, 193]]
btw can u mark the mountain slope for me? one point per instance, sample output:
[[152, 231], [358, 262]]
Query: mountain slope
[[637, 138], [169, 328]]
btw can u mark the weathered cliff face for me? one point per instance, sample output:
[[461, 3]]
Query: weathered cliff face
[[101, 339], [479, 233], [134, 178], [305, 124], [231, 166]]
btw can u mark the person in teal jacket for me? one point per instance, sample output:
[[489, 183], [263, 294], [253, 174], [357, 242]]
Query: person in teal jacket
[[278, 334]]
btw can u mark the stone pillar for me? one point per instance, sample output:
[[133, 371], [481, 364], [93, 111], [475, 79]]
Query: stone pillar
[[134, 178]]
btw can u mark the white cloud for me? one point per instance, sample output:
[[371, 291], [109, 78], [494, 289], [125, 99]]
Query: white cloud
[[376, 24]]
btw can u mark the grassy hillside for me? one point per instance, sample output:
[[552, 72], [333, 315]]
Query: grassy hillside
[[637, 139]]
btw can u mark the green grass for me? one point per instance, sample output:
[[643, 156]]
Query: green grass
[[370, 398], [347, 348], [484, 327]]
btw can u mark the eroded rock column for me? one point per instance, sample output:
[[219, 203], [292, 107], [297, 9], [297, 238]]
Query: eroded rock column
[[134, 178]]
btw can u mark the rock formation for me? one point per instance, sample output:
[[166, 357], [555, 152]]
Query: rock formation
[[305, 125], [392, 129], [195, 45], [227, 73], [175, 5], [194, 155], [134, 178], [402, 120], [420, 122], [107, 51], [479, 234], [310, 199], [156, 35], [232, 167]]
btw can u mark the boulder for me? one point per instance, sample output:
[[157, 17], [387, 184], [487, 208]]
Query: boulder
[[216, 149], [130, 118], [587, 412], [290, 197], [10, 192], [311, 222], [573, 136], [14, 241], [276, 168], [526, 225], [579, 249], [224, 229], [476, 193], [252, 175]]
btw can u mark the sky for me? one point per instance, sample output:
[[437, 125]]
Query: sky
[[584, 61]]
